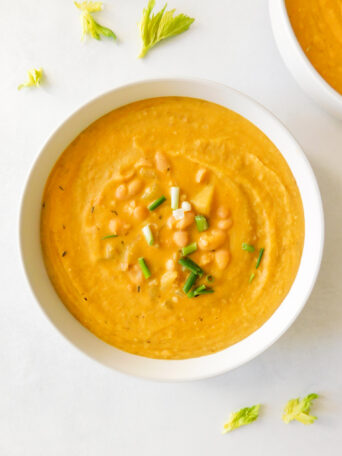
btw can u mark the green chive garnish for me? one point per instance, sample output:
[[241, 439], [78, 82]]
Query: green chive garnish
[[248, 247], [201, 290], [261, 252], [201, 223], [191, 265], [189, 282], [251, 277], [144, 268], [191, 248], [209, 278], [109, 236], [156, 203]]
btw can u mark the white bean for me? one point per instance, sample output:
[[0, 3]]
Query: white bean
[[121, 192], [206, 258], [135, 275], [162, 163], [212, 239], [222, 257], [186, 221], [140, 213], [223, 212], [135, 186], [170, 265], [181, 238], [225, 224]]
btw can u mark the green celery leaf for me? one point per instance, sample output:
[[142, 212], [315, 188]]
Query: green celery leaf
[[157, 27], [88, 23], [299, 409], [244, 416], [34, 78]]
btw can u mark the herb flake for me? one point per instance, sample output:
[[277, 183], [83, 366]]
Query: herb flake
[[248, 247], [109, 236], [261, 252]]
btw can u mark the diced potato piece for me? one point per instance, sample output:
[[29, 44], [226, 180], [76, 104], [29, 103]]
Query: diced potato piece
[[202, 201], [167, 279], [201, 175]]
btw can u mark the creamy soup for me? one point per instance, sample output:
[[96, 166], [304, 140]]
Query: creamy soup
[[172, 228], [318, 27]]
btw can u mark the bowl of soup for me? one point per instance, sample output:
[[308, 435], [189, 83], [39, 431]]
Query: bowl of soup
[[171, 229], [308, 34]]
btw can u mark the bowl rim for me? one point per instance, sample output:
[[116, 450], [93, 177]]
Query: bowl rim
[[326, 90], [165, 376]]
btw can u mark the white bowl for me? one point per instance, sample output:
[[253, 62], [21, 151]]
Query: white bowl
[[299, 65], [193, 368]]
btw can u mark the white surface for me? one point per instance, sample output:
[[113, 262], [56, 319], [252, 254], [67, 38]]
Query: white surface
[[54, 400], [186, 369], [300, 66]]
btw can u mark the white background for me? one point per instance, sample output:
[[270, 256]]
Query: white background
[[54, 400]]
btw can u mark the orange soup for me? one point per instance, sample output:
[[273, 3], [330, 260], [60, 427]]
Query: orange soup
[[172, 228], [318, 27]]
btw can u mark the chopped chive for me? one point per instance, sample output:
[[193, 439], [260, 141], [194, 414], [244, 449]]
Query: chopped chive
[[201, 223], [189, 282], [174, 198], [261, 252], [144, 268], [109, 236], [148, 234], [156, 203], [191, 265], [191, 248], [201, 290], [248, 247], [209, 278], [251, 278]]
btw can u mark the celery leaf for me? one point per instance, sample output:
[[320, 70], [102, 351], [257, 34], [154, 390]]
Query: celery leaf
[[299, 409], [34, 78], [159, 26], [244, 416], [88, 23]]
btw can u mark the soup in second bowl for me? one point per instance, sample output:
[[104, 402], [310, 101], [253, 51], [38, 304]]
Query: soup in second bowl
[[318, 28]]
